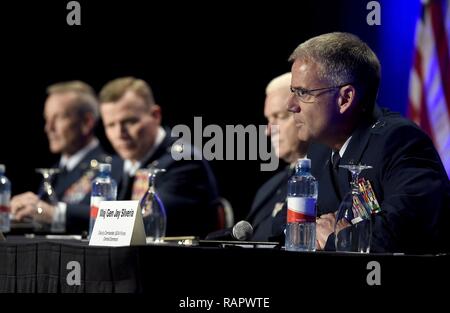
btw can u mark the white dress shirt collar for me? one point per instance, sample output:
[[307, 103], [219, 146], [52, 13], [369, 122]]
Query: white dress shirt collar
[[343, 148], [71, 162]]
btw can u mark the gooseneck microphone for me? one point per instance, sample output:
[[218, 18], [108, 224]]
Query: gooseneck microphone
[[241, 231]]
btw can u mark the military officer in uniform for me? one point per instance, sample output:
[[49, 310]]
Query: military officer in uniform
[[270, 198], [71, 112], [187, 188], [335, 79]]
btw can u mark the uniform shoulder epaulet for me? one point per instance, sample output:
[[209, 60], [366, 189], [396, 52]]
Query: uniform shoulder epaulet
[[153, 165], [379, 126]]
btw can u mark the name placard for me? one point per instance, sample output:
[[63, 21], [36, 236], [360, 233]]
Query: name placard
[[118, 223]]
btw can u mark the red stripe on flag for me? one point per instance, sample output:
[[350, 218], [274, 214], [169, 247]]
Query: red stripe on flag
[[440, 36], [423, 112], [415, 108], [424, 119], [420, 115]]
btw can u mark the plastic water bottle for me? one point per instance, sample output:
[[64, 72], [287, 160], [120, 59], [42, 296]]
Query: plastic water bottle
[[104, 188], [5, 195], [301, 214]]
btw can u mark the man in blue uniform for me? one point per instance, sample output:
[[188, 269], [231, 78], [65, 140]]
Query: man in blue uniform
[[187, 188], [71, 112], [271, 197], [335, 79]]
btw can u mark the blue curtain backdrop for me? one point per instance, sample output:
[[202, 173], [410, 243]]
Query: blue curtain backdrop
[[392, 41], [395, 51]]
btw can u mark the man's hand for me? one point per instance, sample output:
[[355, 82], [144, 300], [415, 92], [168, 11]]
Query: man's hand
[[28, 204], [324, 228]]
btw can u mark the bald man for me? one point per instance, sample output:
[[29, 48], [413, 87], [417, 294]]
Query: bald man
[[283, 134]]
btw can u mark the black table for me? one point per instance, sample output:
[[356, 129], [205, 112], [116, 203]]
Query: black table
[[173, 273]]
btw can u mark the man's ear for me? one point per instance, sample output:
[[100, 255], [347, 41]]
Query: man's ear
[[88, 124], [347, 97], [155, 112]]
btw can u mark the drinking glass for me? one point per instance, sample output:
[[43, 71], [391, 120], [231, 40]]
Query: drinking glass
[[47, 194], [353, 228]]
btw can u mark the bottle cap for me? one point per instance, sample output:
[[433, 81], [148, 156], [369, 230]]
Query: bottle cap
[[104, 167], [304, 163]]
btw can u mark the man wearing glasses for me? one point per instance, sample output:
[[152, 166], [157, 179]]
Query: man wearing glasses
[[335, 79]]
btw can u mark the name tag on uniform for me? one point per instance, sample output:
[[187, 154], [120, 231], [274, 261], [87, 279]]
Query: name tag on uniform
[[118, 223]]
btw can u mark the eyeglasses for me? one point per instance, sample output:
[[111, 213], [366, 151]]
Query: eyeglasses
[[306, 95]]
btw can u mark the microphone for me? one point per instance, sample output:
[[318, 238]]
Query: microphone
[[241, 231]]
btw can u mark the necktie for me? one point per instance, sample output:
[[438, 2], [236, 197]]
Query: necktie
[[335, 172], [336, 161]]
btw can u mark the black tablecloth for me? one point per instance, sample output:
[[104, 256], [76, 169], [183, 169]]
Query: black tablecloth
[[39, 265]]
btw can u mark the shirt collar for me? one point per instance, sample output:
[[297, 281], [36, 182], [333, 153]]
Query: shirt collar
[[343, 148], [72, 161]]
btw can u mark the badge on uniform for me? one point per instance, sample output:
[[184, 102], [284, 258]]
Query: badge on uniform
[[140, 184], [78, 190], [368, 195]]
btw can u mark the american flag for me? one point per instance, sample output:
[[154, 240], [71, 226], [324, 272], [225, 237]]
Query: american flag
[[429, 85]]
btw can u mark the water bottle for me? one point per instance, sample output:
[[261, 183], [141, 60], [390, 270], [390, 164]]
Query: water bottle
[[153, 211], [301, 213], [5, 195], [104, 188]]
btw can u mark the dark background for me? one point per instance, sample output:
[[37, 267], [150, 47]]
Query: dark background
[[202, 58]]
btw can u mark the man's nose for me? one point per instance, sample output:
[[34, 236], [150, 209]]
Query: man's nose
[[293, 105], [123, 131], [268, 129], [49, 126]]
